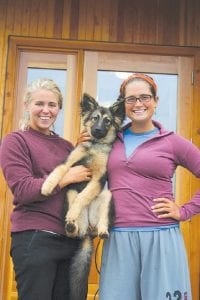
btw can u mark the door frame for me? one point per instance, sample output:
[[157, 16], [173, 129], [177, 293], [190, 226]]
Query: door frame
[[18, 44]]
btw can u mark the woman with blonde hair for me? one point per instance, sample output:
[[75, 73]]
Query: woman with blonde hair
[[40, 249]]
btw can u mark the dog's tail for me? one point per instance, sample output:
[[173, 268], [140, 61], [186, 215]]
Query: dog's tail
[[80, 269]]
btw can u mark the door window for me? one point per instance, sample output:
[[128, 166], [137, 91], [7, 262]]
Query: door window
[[62, 68]]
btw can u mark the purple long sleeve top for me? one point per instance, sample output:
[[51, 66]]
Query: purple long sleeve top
[[26, 158], [147, 174]]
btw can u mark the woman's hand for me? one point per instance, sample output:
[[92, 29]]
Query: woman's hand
[[76, 174], [83, 137], [165, 208]]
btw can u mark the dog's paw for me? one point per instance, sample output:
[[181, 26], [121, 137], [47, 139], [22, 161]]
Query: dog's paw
[[103, 235], [103, 231], [71, 229], [92, 232], [53, 179], [47, 188]]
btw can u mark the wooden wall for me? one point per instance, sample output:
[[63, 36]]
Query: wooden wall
[[153, 22], [157, 22]]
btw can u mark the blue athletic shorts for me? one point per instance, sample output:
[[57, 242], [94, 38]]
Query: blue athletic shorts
[[145, 265]]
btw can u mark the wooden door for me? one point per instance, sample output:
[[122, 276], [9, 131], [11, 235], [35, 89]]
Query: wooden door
[[83, 67]]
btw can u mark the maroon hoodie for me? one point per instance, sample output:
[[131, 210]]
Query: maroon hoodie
[[148, 174], [26, 158]]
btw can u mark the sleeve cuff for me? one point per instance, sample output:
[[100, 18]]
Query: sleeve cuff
[[184, 215]]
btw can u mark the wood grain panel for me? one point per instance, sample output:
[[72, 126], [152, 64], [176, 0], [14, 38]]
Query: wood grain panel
[[42, 18], [50, 11], [18, 11], [105, 20], [195, 232], [2, 232], [148, 25], [66, 19], [9, 17], [89, 25], [172, 22], [192, 22], [121, 15], [113, 14], [34, 17], [82, 20], [130, 22], [26, 17], [3, 8], [168, 22], [98, 18], [74, 19], [58, 18]]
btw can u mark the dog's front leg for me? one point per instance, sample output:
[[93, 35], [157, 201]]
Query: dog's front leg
[[53, 179], [58, 173]]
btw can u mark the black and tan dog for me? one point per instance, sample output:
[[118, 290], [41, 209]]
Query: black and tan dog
[[89, 204]]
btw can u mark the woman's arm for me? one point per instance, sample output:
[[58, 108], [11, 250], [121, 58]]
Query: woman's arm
[[188, 156], [74, 175], [16, 164]]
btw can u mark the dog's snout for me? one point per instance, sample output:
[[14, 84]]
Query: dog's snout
[[98, 131]]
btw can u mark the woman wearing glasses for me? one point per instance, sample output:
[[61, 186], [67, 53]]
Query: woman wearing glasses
[[144, 258]]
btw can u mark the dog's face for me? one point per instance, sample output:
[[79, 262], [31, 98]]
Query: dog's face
[[102, 123]]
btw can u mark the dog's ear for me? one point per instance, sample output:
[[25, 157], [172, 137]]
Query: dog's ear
[[88, 104], [118, 110]]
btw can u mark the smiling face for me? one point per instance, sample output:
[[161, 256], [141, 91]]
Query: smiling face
[[140, 113], [43, 109]]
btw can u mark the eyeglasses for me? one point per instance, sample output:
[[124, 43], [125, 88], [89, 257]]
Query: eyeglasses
[[142, 98]]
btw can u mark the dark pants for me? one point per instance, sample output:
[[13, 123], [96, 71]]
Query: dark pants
[[41, 263]]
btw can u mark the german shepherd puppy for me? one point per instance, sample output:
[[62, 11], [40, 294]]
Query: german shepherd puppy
[[90, 208]]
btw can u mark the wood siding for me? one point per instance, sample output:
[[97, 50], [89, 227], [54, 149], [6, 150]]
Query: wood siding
[[151, 22], [155, 22]]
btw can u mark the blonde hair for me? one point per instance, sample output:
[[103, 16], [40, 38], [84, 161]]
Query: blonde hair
[[42, 83]]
